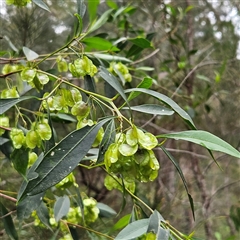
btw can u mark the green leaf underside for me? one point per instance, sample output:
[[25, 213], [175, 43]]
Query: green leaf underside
[[101, 21], [154, 222], [3, 140], [204, 139], [30, 54], [41, 4], [43, 215], [152, 109], [167, 101], [105, 210], [182, 177], [108, 57], [133, 230], [7, 103], [62, 159], [8, 222], [113, 82], [61, 207]]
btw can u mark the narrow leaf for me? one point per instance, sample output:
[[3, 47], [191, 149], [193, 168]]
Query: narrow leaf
[[8, 222], [133, 230], [28, 205], [92, 9], [109, 57], [89, 83], [105, 210], [101, 21], [154, 222], [61, 207], [63, 158], [167, 101], [122, 222], [108, 138], [42, 5], [81, 8], [30, 54], [140, 42], [152, 109], [43, 215], [182, 177], [19, 158], [204, 139], [111, 80], [7, 103]]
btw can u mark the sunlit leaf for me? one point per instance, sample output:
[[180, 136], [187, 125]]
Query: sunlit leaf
[[30, 54], [133, 230], [92, 9], [98, 43], [8, 222], [204, 139], [61, 207]]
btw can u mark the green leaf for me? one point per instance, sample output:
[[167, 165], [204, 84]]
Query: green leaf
[[30, 54], [61, 207], [62, 116], [108, 139], [89, 83], [98, 43], [79, 25], [3, 140], [63, 158], [101, 21], [133, 230], [154, 222], [28, 205], [43, 215], [105, 210], [81, 8], [163, 234], [113, 82], [204, 139], [19, 158], [141, 42], [42, 5], [182, 177], [122, 222], [167, 101], [92, 9], [108, 57], [8, 222], [152, 109], [112, 4], [6, 104], [145, 83]]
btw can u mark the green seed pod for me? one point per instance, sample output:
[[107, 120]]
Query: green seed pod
[[10, 93], [33, 139], [132, 136], [127, 150], [44, 130], [80, 109], [17, 137], [28, 74], [147, 140], [4, 122]]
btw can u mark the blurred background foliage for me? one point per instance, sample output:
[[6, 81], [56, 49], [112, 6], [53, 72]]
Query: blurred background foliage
[[194, 59]]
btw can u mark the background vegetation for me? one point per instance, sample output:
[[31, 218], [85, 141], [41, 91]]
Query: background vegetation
[[194, 59]]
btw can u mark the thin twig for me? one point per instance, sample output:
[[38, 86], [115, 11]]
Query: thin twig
[[8, 197]]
